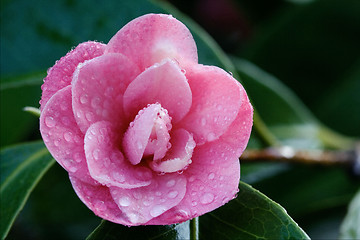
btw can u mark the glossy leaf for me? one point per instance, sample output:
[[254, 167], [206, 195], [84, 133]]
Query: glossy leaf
[[111, 231], [22, 166], [311, 47], [287, 117], [251, 215], [350, 227]]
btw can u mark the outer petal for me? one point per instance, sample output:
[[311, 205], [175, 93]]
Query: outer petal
[[214, 174], [107, 164], [213, 179], [238, 134], [99, 200], [216, 102], [60, 75], [142, 204], [151, 38], [62, 136], [163, 83], [98, 87]]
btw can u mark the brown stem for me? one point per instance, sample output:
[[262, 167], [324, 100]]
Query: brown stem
[[289, 154]]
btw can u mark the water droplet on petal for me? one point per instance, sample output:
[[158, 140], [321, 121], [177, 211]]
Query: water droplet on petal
[[50, 122], [211, 176], [194, 203], [133, 218], [124, 201], [118, 177], [96, 153], [207, 198], [157, 210], [84, 98], [172, 194], [68, 136], [192, 178], [100, 205], [171, 183]]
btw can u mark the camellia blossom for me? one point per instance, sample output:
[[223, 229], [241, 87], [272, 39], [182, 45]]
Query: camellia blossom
[[147, 135]]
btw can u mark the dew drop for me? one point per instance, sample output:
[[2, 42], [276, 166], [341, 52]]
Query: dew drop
[[118, 177], [211, 176], [68, 136], [73, 169], [172, 194], [137, 195], [100, 205], [89, 116], [171, 183], [158, 193], [183, 71], [124, 201], [84, 99], [96, 153], [194, 203], [50, 122], [192, 178], [133, 217], [146, 203], [207, 198], [95, 102], [157, 210]]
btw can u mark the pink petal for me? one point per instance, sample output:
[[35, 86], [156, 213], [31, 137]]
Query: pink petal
[[137, 136], [62, 136], [179, 156], [212, 180], [142, 204], [238, 134], [215, 105], [98, 88], [151, 38], [60, 75], [99, 200], [163, 83], [107, 164], [214, 174]]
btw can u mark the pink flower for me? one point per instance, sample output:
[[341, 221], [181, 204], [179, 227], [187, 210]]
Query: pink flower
[[147, 135]]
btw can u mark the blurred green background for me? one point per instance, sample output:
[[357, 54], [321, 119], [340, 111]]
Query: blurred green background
[[310, 46]]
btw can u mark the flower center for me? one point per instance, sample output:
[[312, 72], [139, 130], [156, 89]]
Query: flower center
[[148, 137]]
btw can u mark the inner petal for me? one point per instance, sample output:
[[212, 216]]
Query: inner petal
[[148, 134], [179, 156]]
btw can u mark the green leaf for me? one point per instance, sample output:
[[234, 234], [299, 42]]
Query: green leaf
[[21, 166], [310, 47], [111, 231], [251, 215], [350, 227], [283, 112]]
